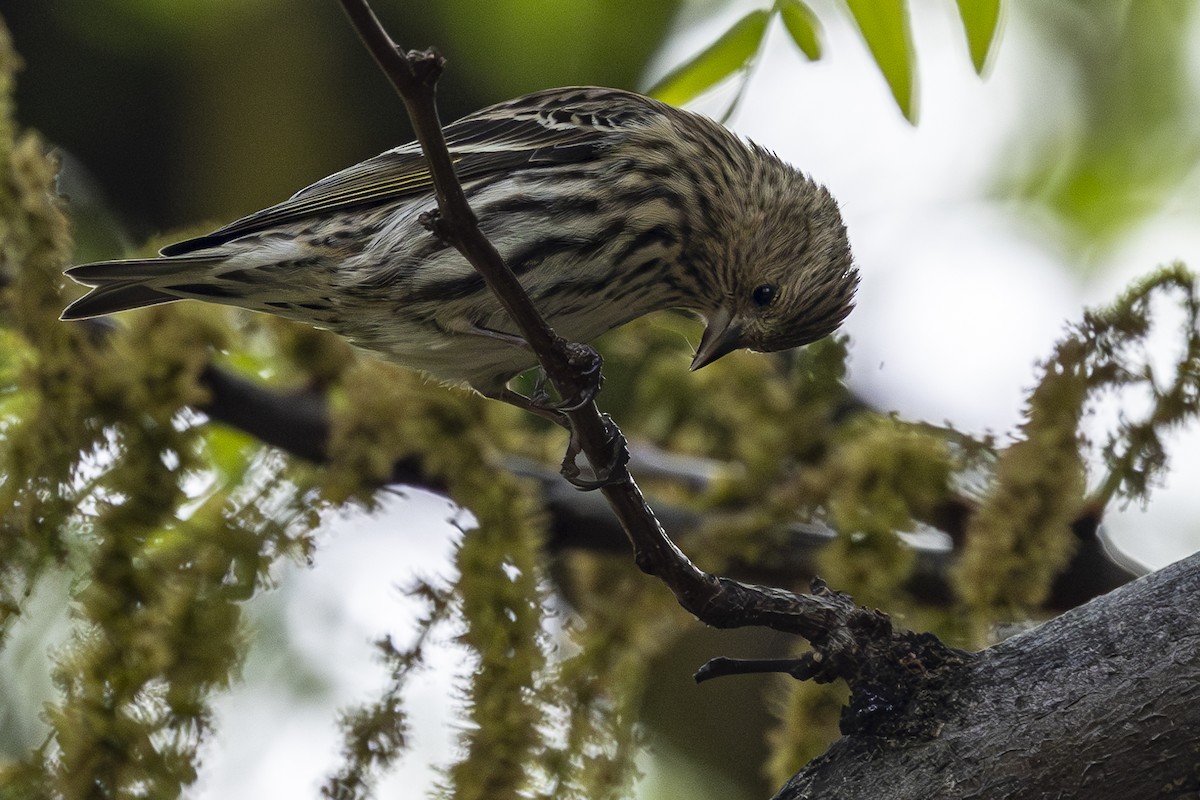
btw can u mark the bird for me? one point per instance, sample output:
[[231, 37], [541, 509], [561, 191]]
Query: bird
[[606, 204]]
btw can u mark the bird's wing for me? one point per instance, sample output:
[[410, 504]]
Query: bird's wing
[[558, 126]]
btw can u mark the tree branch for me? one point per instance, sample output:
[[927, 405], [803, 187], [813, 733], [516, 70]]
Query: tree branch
[[1102, 703]]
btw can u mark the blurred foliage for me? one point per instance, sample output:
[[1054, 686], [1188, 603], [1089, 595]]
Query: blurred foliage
[[802, 25], [981, 21], [1131, 134], [1020, 537], [885, 27], [167, 524], [97, 433], [733, 52]]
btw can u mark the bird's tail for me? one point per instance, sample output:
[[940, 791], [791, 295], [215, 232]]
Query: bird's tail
[[136, 283], [296, 288]]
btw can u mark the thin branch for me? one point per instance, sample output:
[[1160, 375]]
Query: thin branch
[[572, 369], [414, 75], [566, 364]]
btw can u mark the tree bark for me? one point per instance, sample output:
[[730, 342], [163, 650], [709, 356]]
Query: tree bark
[[1101, 702]]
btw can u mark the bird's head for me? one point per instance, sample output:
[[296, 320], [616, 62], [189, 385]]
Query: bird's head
[[789, 278]]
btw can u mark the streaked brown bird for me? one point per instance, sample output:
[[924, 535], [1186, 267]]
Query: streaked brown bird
[[607, 205]]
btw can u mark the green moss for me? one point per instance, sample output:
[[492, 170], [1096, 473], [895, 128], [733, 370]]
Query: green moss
[[1021, 536]]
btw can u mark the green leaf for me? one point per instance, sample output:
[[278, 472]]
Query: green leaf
[[981, 20], [803, 26], [722, 58], [885, 27]]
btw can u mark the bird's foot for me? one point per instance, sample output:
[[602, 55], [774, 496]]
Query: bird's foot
[[606, 475], [586, 377], [539, 404], [581, 389]]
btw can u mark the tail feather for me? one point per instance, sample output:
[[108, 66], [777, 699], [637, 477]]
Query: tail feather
[[132, 283], [138, 269], [293, 288], [114, 297]]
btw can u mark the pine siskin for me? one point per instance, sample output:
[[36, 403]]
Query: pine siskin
[[607, 205]]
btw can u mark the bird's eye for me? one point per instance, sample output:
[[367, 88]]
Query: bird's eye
[[764, 295]]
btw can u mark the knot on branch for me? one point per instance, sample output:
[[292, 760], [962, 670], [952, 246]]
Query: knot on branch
[[888, 672], [425, 65], [434, 222], [890, 694]]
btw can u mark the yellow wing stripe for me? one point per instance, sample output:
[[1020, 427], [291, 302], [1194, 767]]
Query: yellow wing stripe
[[358, 190], [359, 193]]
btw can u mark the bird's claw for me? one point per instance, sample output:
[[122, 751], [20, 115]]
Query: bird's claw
[[540, 396], [586, 364], [606, 475], [538, 404]]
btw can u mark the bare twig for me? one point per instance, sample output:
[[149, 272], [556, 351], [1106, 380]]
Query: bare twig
[[414, 75]]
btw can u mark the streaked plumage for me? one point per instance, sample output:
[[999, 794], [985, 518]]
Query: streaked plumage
[[606, 204]]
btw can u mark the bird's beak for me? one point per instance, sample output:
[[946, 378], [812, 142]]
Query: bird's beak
[[721, 337]]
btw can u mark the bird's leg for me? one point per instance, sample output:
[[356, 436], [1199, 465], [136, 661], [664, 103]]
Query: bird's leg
[[584, 384], [617, 447], [540, 394], [538, 404], [491, 333], [585, 381]]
